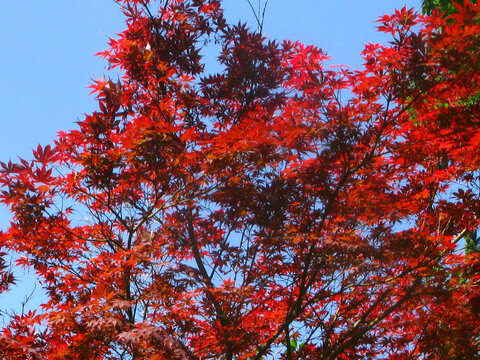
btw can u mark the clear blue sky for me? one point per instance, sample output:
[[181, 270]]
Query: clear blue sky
[[47, 61]]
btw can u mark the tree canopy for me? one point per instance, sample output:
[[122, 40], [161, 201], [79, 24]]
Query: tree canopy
[[447, 7], [279, 208]]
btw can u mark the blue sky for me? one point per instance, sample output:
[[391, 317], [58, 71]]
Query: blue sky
[[47, 61]]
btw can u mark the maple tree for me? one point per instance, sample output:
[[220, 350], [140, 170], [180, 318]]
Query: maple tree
[[277, 208]]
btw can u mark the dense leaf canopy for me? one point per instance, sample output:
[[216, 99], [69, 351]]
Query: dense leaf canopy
[[280, 208]]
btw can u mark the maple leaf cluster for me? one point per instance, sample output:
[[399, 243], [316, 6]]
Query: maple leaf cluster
[[275, 208]]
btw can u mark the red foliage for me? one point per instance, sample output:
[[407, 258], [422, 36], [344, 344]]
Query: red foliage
[[253, 212]]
